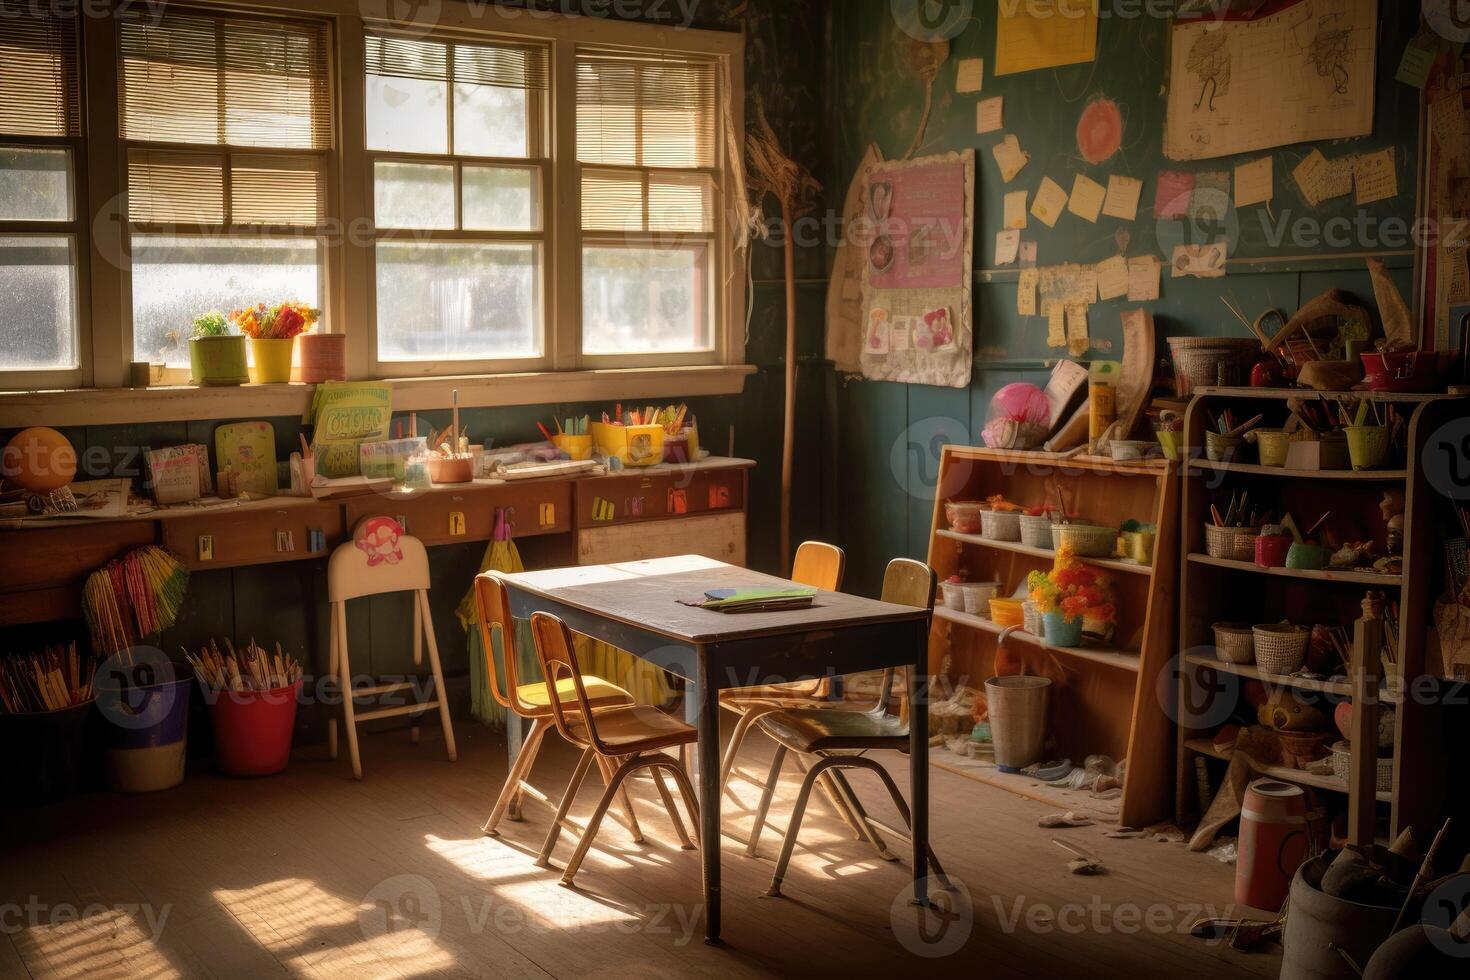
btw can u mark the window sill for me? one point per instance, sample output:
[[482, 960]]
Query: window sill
[[130, 406]]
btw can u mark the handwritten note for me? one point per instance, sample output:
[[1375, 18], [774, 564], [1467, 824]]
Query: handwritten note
[[988, 114], [1087, 198], [1010, 157], [1375, 177], [1171, 198], [1144, 272], [1049, 202], [1077, 339], [1007, 246], [1026, 292], [1123, 197], [969, 75], [1253, 182], [1320, 179], [1014, 211], [1028, 253], [1112, 277], [1056, 323], [1418, 60]]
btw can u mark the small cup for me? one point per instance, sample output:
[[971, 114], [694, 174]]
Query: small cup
[[1272, 549], [1222, 448], [1308, 557]]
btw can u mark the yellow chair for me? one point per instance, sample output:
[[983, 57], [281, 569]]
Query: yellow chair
[[630, 737], [532, 702], [837, 738]]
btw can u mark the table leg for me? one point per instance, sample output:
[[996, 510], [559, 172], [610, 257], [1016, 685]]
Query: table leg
[[703, 701], [919, 761]]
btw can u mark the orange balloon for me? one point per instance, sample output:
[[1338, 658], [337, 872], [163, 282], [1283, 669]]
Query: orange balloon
[[39, 459]]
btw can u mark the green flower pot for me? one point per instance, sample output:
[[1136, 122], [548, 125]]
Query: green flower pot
[[218, 360]]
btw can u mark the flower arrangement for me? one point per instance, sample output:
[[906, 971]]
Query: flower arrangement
[[1073, 589], [211, 324], [280, 322]]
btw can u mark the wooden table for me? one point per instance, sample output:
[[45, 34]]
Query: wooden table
[[633, 606]]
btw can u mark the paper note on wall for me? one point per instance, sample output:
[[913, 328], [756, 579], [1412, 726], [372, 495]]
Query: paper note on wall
[[1078, 341], [1375, 177], [1253, 182], [1028, 253], [1458, 290], [1320, 179], [1122, 199], [1056, 323], [1210, 201], [1144, 272], [1112, 277], [1087, 198], [988, 114], [1199, 261], [1172, 196], [1014, 211], [1007, 247], [1417, 61], [969, 75], [1044, 34], [1009, 157], [1049, 202], [1026, 292]]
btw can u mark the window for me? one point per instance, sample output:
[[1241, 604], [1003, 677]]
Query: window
[[227, 127], [646, 144], [40, 233], [456, 137]]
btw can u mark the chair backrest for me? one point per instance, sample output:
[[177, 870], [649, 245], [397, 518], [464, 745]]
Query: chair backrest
[[352, 574], [558, 656], [492, 604], [819, 565], [906, 582]]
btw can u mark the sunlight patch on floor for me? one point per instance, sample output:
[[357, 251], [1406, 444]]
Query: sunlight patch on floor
[[107, 943]]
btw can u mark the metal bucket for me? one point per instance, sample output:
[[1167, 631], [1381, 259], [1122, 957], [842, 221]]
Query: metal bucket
[[1017, 719], [1319, 925]]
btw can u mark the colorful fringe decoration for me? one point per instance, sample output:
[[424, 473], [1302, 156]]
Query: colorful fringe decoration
[[135, 596]]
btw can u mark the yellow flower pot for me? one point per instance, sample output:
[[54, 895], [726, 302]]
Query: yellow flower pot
[[272, 357]]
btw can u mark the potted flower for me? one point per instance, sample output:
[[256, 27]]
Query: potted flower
[[216, 356], [272, 331], [1072, 598]]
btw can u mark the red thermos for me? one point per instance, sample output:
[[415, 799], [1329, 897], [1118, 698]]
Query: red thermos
[[1273, 843]]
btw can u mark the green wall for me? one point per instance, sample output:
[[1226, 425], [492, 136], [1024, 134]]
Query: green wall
[[883, 436]]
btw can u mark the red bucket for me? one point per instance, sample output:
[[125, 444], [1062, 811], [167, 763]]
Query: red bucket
[[252, 729]]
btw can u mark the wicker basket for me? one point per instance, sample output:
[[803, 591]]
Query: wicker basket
[[1280, 647], [1036, 530], [1342, 765], [1235, 543], [1089, 540], [1234, 643], [1000, 525], [1031, 616], [1211, 361]]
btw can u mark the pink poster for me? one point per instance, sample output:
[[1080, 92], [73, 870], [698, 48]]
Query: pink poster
[[919, 232]]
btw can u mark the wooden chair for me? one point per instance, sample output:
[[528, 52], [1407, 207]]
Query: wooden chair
[[533, 703], [631, 735], [350, 575], [832, 736]]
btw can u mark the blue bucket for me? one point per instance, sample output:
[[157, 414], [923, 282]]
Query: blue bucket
[[1063, 632], [144, 704]]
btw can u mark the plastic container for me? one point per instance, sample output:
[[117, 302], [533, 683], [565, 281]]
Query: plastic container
[[634, 445], [1138, 546], [451, 469], [683, 448], [252, 729], [1061, 631], [1222, 448], [1367, 445], [1017, 719], [1273, 842], [576, 447], [963, 515], [1272, 444], [1000, 525], [271, 357], [1404, 371], [952, 595], [1307, 556], [1169, 431], [1007, 612], [1031, 618], [1271, 550], [977, 597], [47, 756], [146, 727]]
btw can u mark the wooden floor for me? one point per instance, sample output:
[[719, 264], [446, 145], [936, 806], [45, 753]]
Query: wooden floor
[[310, 873]]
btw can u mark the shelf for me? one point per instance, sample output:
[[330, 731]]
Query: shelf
[[1120, 659], [1116, 564], [1357, 576], [1339, 688], [1253, 469], [1283, 393], [1204, 746]]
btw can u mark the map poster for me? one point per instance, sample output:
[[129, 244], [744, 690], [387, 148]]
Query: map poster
[[1301, 74]]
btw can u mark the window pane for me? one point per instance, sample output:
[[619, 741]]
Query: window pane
[[645, 299], [500, 199], [35, 184], [38, 293], [175, 279], [407, 114], [452, 300], [490, 121], [414, 195]]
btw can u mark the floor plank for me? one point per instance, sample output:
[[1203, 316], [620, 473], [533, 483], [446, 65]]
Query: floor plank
[[313, 874]]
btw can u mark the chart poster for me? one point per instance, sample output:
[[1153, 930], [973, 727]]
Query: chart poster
[[1301, 73]]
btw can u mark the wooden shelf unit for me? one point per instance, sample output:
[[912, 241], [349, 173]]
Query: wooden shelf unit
[[1104, 701], [1214, 589]]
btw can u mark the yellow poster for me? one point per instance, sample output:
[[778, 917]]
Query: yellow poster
[[1032, 34]]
